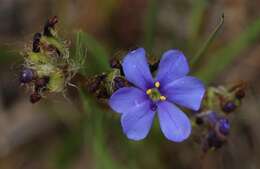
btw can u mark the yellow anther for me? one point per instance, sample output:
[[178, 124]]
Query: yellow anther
[[157, 84], [149, 91], [162, 98]]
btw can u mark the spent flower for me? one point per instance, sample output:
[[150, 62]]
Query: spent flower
[[48, 67]]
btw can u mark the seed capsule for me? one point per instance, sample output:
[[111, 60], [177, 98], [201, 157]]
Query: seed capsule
[[240, 94], [36, 42], [102, 94], [50, 25], [26, 75], [213, 140], [95, 83], [35, 97], [115, 63], [41, 83], [120, 82]]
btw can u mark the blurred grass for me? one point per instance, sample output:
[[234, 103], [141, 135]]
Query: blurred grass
[[97, 59], [79, 58], [201, 52], [150, 25], [226, 55], [196, 19], [90, 130], [72, 143], [7, 56], [95, 132]]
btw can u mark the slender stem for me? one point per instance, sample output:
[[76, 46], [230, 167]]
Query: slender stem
[[205, 46], [150, 24]]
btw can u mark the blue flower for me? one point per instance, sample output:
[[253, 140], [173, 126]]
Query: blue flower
[[171, 86]]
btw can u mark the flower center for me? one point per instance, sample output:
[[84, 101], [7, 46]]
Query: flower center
[[154, 93]]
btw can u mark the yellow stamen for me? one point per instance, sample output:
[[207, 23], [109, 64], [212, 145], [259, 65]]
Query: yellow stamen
[[162, 98], [157, 84], [149, 91]]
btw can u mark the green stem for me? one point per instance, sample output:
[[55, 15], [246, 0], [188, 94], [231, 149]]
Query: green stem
[[223, 57], [150, 25], [205, 46]]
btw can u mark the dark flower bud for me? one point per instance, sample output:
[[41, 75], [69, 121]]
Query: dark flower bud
[[93, 86], [229, 107], [116, 64], [213, 140], [50, 25], [53, 21], [240, 94], [26, 75], [102, 94], [41, 83], [120, 82], [199, 121], [52, 50], [96, 83], [223, 126], [35, 97], [36, 42], [154, 67]]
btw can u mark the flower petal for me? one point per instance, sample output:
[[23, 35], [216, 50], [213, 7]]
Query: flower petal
[[137, 124], [187, 91], [127, 99], [136, 69], [173, 65], [174, 124]]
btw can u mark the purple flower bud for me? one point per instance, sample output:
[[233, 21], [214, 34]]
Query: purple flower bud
[[229, 107], [26, 75], [223, 126]]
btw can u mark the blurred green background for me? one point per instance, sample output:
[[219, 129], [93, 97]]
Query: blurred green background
[[80, 134]]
